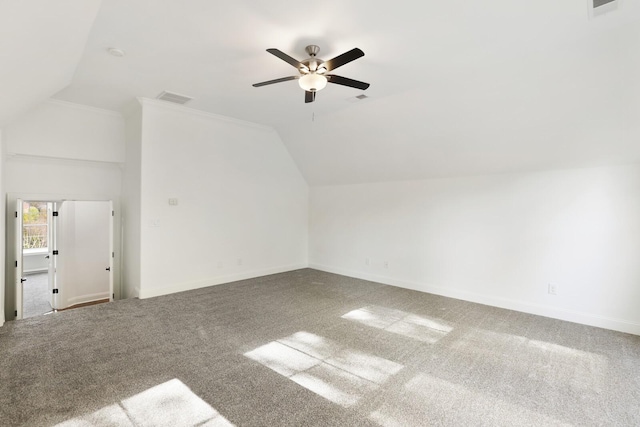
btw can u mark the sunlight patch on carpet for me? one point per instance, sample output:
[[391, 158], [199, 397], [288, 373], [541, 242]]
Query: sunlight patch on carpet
[[339, 374], [166, 405], [400, 322]]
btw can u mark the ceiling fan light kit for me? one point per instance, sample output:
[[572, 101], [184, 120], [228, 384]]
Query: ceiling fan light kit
[[313, 71], [312, 82]]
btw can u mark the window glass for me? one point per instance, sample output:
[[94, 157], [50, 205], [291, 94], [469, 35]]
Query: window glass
[[34, 228]]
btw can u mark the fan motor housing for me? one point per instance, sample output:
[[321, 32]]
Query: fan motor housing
[[313, 64]]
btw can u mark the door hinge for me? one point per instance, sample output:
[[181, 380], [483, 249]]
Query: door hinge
[[55, 213], [113, 296], [16, 264], [55, 291], [55, 252], [16, 313], [16, 214], [113, 213], [113, 254]]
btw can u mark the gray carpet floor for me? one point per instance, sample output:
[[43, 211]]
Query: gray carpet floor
[[309, 348], [35, 295]]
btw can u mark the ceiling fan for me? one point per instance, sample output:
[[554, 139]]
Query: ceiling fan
[[313, 71]]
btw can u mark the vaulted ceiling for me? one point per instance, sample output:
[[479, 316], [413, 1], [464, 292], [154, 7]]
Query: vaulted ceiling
[[41, 42], [457, 87]]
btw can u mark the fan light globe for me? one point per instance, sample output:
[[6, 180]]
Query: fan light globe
[[312, 82]]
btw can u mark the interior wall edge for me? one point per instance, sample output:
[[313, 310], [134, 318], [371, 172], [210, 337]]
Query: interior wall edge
[[188, 286], [588, 319]]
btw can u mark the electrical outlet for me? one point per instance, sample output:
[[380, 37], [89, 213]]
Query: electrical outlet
[[173, 202], [367, 261], [553, 289]]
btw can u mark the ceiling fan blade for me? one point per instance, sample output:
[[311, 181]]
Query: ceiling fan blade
[[309, 96], [286, 58], [339, 80], [280, 80], [345, 58]]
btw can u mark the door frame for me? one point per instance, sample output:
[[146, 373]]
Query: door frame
[[18, 252], [9, 288]]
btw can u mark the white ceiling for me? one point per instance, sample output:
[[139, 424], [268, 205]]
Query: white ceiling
[[457, 87], [41, 42]]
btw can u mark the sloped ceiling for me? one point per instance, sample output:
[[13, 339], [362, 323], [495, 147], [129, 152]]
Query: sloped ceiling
[[457, 87], [41, 42]]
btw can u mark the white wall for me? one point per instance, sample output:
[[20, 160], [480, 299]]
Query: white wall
[[33, 262], [131, 199], [498, 240], [242, 203], [70, 168]]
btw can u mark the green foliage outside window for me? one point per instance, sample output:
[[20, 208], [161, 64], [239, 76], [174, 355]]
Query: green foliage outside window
[[34, 229]]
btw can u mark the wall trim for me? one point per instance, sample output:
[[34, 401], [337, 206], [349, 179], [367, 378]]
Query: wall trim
[[68, 161], [494, 301], [188, 286], [83, 107], [191, 111]]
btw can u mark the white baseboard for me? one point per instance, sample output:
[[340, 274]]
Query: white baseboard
[[495, 301], [188, 286]]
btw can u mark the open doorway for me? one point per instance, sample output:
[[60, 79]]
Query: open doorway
[[64, 255], [36, 242]]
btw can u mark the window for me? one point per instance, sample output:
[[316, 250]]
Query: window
[[34, 225]]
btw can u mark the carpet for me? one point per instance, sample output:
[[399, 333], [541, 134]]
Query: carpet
[[36, 295], [313, 348]]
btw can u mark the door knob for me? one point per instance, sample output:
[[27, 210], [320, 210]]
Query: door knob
[[108, 268], [22, 280]]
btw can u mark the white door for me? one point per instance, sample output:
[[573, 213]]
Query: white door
[[84, 244], [111, 253], [19, 279], [52, 215]]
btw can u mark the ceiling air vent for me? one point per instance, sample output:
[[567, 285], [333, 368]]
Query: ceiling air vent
[[599, 3], [600, 7], [358, 98], [174, 97]]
